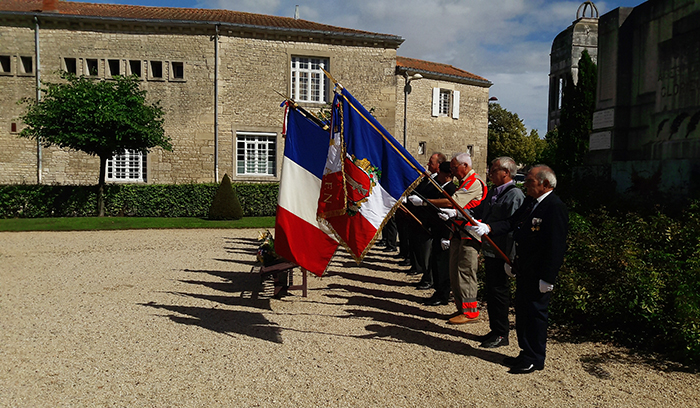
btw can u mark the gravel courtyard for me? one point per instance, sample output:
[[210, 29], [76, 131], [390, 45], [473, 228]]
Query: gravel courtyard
[[174, 318]]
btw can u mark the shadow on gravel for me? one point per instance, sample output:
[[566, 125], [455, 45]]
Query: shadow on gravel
[[367, 278], [224, 321], [237, 281], [239, 261], [366, 265], [408, 335], [242, 241], [376, 293]]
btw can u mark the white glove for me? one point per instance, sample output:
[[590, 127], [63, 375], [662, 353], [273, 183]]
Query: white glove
[[447, 213], [404, 200], [480, 228], [445, 244], [509, 270], [545, 286], [417, 201]]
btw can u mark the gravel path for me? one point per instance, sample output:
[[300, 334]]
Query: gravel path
[[174, 318]]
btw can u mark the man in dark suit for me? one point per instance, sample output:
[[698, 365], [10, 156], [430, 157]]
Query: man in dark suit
[[539, 230], [501, 202]]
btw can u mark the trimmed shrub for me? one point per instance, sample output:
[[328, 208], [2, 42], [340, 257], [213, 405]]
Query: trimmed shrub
[[225, 205]]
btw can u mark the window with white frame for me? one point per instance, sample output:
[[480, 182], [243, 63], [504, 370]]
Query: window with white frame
[[127, 167], [308, 81], [256, 153], [445, 102]]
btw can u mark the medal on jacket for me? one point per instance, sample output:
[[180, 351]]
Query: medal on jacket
[[536, 224]]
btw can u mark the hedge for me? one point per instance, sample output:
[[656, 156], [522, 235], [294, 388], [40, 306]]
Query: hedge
[[633, 279], [135, 200]]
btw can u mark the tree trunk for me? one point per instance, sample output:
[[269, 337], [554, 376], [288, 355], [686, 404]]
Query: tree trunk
[[101, 187]]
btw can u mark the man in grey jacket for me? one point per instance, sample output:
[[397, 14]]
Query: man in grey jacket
[[501, 202]]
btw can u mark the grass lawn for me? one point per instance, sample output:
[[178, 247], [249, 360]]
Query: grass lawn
[[119, 223]]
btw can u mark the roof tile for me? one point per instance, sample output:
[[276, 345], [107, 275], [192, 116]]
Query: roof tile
[[180, 14], [444, 69]]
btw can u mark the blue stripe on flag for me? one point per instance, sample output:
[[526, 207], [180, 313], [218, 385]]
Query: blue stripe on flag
[[366, 138], [306, 143]]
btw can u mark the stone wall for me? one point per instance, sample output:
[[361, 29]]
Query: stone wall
[[444, 133], [250, 71]]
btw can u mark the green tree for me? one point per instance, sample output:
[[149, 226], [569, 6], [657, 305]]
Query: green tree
[[508, 137], [100, 118], [576, 123]]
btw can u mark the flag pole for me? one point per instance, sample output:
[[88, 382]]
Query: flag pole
[[303, 111], [424, 173]]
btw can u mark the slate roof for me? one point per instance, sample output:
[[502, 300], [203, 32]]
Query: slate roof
[[173, 14], [446, 71]]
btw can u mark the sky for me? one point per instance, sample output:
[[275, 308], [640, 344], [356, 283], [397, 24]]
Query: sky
[[505, 41]]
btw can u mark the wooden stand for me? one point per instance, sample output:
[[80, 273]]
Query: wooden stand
[[283, 276]]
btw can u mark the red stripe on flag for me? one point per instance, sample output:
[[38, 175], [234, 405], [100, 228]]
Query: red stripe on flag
[[302, 243], [355, 230]]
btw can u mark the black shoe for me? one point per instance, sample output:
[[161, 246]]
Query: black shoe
[[525, 368], [512, 361], [405, 262], [381, 243], [413, 272], [424, 286], [389, 249], [436, 301], [494, 342]]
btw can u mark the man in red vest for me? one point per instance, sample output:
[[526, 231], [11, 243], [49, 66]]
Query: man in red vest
[[464, 245]]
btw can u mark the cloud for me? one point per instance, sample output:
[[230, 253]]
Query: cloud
[[505, 41]]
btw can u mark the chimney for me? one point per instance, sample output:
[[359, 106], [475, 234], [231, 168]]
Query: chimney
[[50, 6], [296, 12]]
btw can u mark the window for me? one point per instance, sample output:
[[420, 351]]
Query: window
[[92, 66], [135, 68], [308, 81], [156, 70], [114, 67], [5, 65], [445, 103], [256, 153], [70, 65], [445, 100], [177, 70], [130, 166], [26, 65], [560, 93]]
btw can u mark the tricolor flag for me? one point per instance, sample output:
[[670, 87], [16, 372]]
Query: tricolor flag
[[299, 237], [367, 173]]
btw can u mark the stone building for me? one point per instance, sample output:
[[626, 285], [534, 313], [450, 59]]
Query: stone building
[[645, 128], [216, 73], [447, 110], [567, 48]]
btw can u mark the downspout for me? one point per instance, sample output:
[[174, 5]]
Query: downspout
[[38, 97], [216, 105]]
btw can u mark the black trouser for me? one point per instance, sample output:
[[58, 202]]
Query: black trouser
[[420, 242], [531, 319], [402, 227], [497, 287], [440, 270], [389, 233]]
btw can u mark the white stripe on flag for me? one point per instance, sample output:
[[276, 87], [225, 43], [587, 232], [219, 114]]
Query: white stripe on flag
[[299, 191], [377, 206]]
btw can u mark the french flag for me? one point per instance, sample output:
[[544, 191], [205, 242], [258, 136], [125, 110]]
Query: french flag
[[299, 237], [367, 173]]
